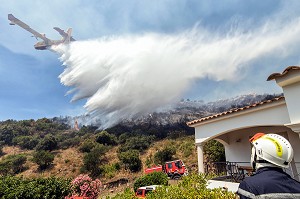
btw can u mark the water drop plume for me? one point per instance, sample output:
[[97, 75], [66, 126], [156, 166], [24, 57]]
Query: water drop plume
[[127, 76]]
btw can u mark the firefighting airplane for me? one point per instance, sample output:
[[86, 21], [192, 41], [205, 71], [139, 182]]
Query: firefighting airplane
[[46, 43]]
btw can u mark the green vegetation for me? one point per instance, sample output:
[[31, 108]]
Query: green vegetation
[[164, 155], [192, 186], [105, 138], [215, 151], [12, 164], [139, 142], [131, 160], [25, 142], [17, 187], [46, 138], [48, 143], [155, 178], [43, 158], [93, 160]]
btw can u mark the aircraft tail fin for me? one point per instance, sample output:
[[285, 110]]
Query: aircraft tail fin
[[68, 36]]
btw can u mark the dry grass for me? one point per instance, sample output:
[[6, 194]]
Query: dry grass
[[67, 162]]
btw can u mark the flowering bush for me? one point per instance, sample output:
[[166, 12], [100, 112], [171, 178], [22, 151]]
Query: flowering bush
[[83, 186]]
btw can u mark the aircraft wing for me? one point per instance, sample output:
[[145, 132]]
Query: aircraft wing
[[14, 21], [63, 33]]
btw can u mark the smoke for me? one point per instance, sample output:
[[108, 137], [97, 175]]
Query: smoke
[[127, 76]]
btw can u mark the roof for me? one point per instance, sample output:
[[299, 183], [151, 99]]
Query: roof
[[152, 187], [286, 71], [232, 111]]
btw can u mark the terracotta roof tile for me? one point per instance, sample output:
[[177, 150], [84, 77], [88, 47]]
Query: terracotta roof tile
[[232, 111], [286, 71]]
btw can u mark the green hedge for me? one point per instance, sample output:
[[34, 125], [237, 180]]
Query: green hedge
[[192, 186], [155, 178], [21, 188]]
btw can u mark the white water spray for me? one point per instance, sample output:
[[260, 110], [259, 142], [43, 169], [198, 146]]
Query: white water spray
[[126, 76]]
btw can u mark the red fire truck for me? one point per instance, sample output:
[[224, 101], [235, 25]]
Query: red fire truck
[[174, 169]]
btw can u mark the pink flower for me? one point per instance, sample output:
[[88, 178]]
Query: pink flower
[[84, 186]]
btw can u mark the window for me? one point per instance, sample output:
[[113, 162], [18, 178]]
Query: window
[[147, 191], [169, 165], [139, 192], [178, 164]]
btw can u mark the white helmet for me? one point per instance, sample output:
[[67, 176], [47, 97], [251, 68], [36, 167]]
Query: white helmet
[[271, 149]]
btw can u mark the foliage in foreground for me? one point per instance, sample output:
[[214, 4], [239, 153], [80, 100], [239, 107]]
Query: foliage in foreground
[[21, 188], [155, 178], [192, 186]]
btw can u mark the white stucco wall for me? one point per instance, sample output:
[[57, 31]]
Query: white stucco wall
[[239, 148], [292, 97], [295, 142]]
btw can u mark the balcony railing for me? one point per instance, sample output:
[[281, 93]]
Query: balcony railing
[[236, 171], [229, 171]]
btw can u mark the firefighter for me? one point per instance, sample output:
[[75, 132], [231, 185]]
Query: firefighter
[[270, 154]]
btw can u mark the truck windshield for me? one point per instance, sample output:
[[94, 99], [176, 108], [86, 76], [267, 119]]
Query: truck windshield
[[139, 192], [178, 164]]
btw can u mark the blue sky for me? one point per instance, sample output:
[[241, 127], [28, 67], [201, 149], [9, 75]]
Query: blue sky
[[31, 85]]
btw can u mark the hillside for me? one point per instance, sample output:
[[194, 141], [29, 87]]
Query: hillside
[[183, 111], [67, 162], [118, 153]]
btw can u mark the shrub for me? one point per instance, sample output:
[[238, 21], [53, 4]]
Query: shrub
[[105, 138], [166, 154], [25, 142], [139, 143], [215, 151], [155, 178], [18, 187], [43, 158], [127, 194], [149, 161], [71, 142], [12, 164], [192, 186], [49, 143], [131, 160], [92, 160], [84, 186], [187, 147], [7, 134], [87, 146], [109, 170]]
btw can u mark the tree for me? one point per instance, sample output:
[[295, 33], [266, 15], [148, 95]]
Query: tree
[[166, 154], [92, 160], [49, 143], [105, 138], [87, 146], [215, 151], [131, 160], [43, 158], [7, 134]]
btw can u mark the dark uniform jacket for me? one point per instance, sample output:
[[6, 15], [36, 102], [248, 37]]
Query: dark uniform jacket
[[269, 182]]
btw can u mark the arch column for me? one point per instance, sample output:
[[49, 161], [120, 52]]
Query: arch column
[[200, 153]]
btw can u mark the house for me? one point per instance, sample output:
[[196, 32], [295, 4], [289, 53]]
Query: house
[[233, 128]]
